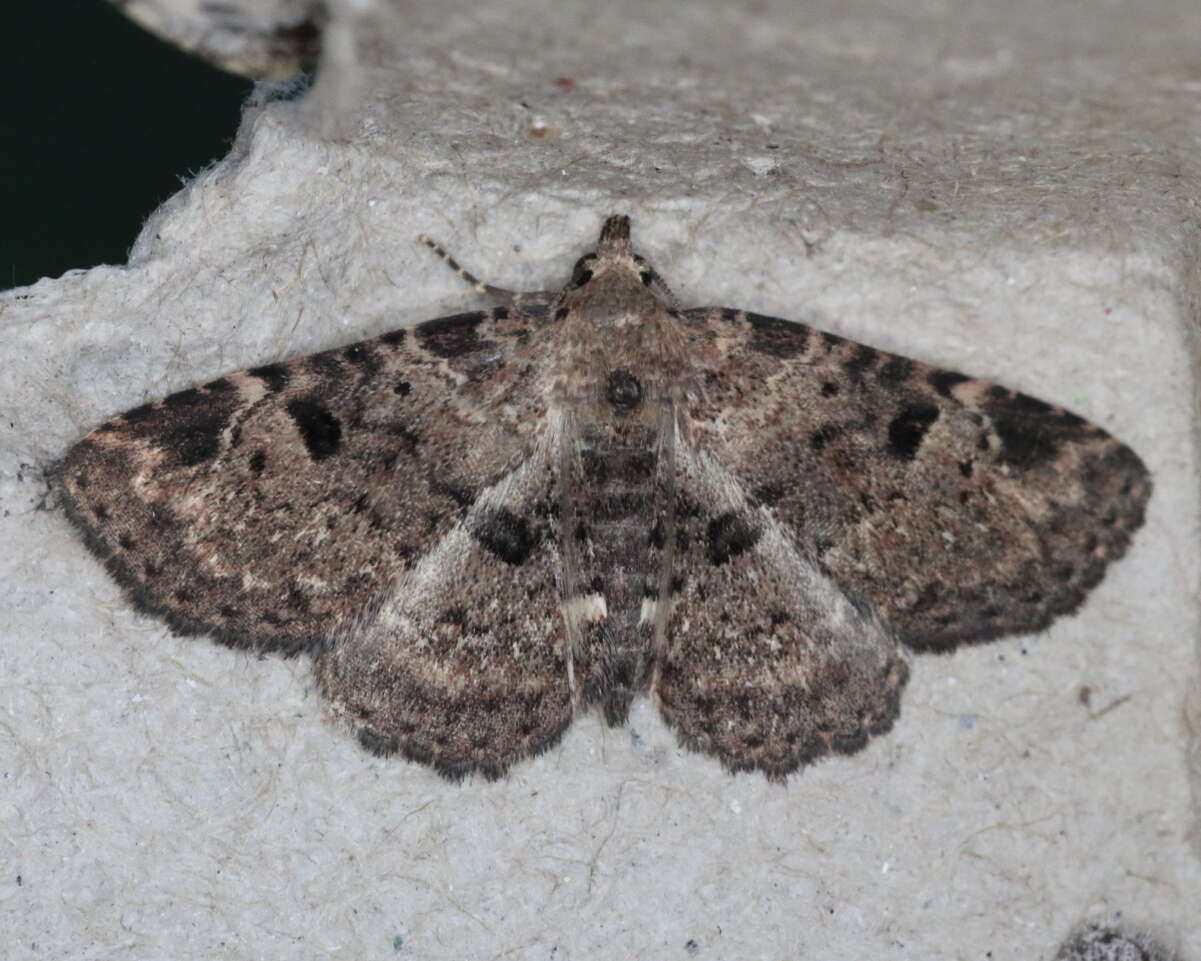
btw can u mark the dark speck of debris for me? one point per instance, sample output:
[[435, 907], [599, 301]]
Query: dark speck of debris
[[1097, 942]]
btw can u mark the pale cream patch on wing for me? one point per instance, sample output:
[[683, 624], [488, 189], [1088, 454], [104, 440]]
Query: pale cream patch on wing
[[586, 609]]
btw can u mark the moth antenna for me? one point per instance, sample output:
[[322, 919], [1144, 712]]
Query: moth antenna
[[515, 297], [477, 285]]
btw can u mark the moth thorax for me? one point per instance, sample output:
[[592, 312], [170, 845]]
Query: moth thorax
[[623, 391]]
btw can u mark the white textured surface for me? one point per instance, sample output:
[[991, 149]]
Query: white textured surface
[[998, 188]]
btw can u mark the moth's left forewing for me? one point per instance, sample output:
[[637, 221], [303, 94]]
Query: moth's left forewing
[[960, 510], [269, 507]]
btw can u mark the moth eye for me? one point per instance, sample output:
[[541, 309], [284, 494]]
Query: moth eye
[[583, 271], [647, 276]]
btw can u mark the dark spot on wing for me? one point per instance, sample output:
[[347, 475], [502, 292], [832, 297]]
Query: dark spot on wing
[[394, 338], [185, 399], [830, 389], [404, 388], [357, 354], [258, 460], [944, 381], [275, 376], [780, 338], [1025, 441], [907, 430], [505, 534], [451, 336], [196, 438], [143, 412], [319, 429], [730, 535], [1032, 431]]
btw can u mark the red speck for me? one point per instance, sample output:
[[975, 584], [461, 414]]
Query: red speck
[[564, 83]]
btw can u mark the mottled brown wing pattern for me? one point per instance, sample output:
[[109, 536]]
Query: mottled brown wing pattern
[[960, 510], [766, 663], [465, 664], [272, 507]]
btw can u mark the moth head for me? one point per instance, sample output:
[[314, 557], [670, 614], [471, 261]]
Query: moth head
[[612, 251], [615, 262]]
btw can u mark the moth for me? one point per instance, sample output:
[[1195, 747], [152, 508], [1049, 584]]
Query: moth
[[486, 523]]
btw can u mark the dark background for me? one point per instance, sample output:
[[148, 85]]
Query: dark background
[[102, 122]]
